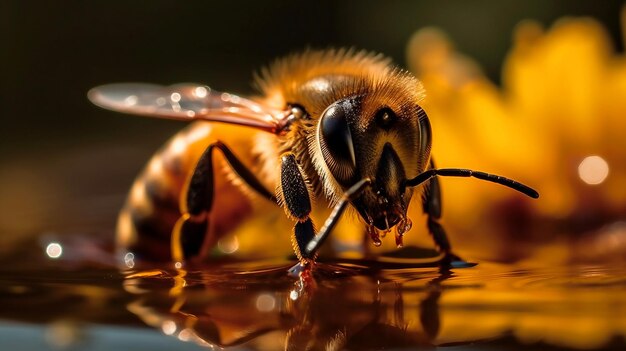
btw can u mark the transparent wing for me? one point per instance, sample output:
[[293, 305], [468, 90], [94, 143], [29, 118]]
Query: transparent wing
[[186, 102]]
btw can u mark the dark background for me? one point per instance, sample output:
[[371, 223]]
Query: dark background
[[66, 165], [53, 52]]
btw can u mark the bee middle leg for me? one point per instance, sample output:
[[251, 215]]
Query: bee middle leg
[[432, 207], [196, 201]]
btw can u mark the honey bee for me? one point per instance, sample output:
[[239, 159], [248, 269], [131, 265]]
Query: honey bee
[[342, 128]]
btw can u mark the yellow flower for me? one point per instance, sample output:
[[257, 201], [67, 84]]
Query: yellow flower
[[563, 99]]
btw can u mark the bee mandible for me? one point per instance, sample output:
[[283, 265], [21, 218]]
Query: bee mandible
[[342, 127]]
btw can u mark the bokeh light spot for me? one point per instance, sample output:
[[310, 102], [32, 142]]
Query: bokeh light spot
[[200, 92], [593, 170], [265, 302], [129, 259], [168, 327], [228, 245], [54, 250], [131, 100], [185, 334], [293, 295]]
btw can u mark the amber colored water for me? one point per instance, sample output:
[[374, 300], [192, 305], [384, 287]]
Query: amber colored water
[[86, 301]]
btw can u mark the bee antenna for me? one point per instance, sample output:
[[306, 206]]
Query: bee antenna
[[459, 172], [349, 195]]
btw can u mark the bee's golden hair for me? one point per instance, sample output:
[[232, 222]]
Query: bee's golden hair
[[281, 82], [370, 75]]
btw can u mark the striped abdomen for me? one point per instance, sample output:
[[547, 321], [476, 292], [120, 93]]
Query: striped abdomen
[[152, 207]]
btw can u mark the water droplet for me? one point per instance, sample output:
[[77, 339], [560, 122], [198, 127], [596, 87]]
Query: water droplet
[[408, 224], [400, 228], [373, 233], [399, 238], [404, 226]]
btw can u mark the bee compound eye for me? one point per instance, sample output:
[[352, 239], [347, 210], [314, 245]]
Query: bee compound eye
[[336, 143]]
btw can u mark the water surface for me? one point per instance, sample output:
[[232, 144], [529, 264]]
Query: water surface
[[88, 301]]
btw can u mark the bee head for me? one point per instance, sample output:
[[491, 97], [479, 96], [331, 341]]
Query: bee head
[[379, 137]]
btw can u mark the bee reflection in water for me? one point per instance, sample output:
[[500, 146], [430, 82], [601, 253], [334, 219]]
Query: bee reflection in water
[[339, 309]]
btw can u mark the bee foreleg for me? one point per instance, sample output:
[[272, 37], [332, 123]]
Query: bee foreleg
[[196, 201], [432, 207], [297, 201]]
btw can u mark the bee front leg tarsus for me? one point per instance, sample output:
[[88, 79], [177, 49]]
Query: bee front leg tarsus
[[304, 232], [300, 268]]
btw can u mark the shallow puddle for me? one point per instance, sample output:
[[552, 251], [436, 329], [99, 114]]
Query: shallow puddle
[[91, 303]]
